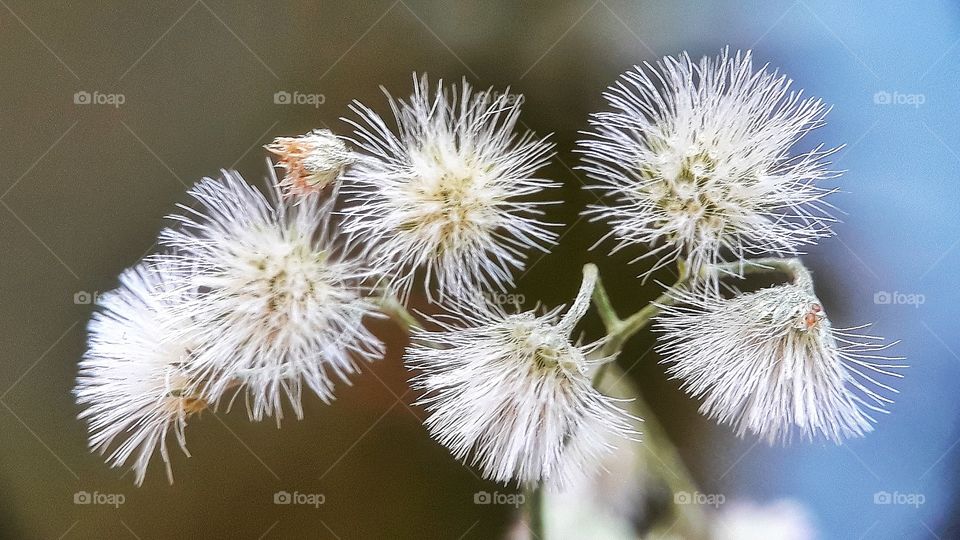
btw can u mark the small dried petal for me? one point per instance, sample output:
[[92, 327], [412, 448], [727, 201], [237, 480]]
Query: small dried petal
[[312, 161]]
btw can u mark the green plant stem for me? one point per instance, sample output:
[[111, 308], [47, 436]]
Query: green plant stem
[[792, 267], [664, 461], [602, 301], [396, 311], [623, 330], [620, 330], [664, 457], [533, 500]]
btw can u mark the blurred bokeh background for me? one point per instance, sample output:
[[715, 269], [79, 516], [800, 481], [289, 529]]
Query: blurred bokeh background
[[180, 89]]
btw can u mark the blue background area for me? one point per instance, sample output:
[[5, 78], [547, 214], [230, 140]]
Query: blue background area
[[901, 234]]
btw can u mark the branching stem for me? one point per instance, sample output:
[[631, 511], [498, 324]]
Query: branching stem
[[663, 455]]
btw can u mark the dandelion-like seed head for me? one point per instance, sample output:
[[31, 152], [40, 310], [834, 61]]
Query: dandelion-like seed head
[[548, 348], [697, 157], [446, 191], [280, 301], [311, 162], [770, 361], [132, 380], [510, 393]]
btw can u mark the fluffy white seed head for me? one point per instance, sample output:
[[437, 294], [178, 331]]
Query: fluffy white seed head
[[695, 158], [510, 394], [311, 162], [132, 380], [279, 300], [447, 192], [769, 362]]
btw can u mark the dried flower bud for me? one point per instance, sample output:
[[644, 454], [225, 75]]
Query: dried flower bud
[[312, 161]]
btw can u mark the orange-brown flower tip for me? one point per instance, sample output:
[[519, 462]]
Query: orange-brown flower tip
[[312, 161]]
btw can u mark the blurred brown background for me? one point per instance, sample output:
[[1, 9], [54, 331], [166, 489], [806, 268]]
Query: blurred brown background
[[88, 186], [84, 188]]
